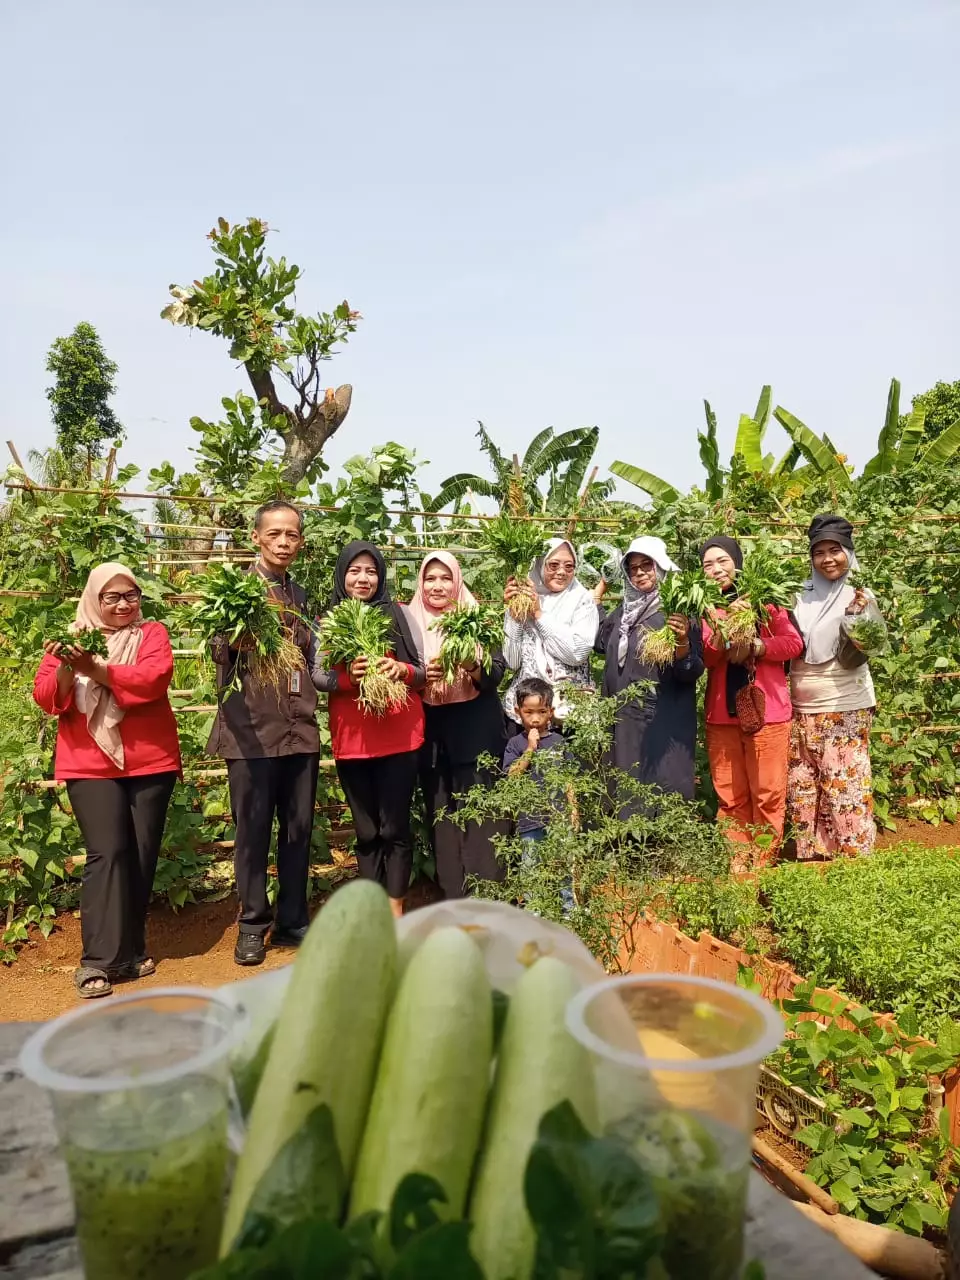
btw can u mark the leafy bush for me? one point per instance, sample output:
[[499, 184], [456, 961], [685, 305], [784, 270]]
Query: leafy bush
[[614, 838], [889, 1159], [726, 908], [884, 928]]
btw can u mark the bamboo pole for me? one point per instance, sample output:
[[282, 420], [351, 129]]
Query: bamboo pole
[[769, 1155], [889, 1252]]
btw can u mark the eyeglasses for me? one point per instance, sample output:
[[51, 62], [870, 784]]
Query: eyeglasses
[[114, 597]]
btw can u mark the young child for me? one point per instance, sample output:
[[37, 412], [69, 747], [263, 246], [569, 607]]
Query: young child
[[535, 712]]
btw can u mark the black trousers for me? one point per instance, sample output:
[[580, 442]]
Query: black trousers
[[285, 786], [458, 853], [380, 795], [121, 821]]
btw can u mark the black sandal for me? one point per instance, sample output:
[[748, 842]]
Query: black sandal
[[138, 969], [85, 976]]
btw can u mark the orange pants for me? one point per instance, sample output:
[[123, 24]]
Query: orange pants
[[750, 778]]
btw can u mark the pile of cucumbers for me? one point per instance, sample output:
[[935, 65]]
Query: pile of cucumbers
[[428, 1126]]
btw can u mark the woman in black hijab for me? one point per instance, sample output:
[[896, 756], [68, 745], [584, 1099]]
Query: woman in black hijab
[[748, 763], [376, 755]]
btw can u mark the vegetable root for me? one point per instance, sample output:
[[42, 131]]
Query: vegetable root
[[521, 607], [659, 648], [379, 694], [273, 670]]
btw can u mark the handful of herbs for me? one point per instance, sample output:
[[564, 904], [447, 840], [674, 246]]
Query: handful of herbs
[[236, 605], [767, 578], [90, 640], [471, 633], [686, 592], [354, 629], [516, 544]]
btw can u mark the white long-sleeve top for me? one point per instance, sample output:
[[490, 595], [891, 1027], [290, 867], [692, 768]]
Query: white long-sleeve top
[[554, 647]]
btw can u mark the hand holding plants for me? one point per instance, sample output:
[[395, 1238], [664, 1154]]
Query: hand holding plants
[[524, 592]]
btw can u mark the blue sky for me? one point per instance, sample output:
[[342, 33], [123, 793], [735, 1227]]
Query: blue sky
[[547, 213]]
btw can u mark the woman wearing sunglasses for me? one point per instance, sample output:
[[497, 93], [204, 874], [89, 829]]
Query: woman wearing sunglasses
[[118, 752]]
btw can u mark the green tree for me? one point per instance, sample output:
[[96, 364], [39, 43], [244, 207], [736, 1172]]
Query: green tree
[[80, 396], [247, 300], [940, 407]]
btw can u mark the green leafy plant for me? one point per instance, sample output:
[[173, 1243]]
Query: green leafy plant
[[868, 635], [687, 593], [353, 629], [470, 634], [235, 606], [89, 640], [516, 544], [768, 577], [615, 854], [880, 928], [886, 1156]]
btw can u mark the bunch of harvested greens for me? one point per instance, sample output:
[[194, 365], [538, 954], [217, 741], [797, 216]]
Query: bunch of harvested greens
[[90, 640], [471, 633], [236, 605], [688, 593], [868, 634], [516, 544], [768, 577], [354, 629]]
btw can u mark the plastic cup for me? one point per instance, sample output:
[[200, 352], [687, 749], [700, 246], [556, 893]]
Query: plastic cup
[[140, 1086], [676, 1060]]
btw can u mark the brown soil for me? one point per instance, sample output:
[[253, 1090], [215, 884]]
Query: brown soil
[[192, 947], [912, 831]]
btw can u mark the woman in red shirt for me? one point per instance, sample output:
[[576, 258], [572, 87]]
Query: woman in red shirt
[[377, 756], [118, 752], [749, 770]]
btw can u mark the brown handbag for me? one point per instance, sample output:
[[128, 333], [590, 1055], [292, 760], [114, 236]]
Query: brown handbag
[[751, 704]]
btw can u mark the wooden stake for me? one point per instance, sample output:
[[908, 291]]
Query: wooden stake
[[27, 482]]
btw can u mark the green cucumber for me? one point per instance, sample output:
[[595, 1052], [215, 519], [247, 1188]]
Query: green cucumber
[[327, 1038], [431, 1092], [539, 1066]]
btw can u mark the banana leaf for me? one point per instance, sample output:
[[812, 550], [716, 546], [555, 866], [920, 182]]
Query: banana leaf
[[658, 489], [819, 455]]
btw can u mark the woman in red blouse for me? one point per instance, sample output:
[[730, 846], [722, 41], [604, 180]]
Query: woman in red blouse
[[749, 770], [377, 756], [118, 752]]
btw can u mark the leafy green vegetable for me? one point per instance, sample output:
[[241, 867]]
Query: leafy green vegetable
[[304, 1180], [236, 606], [90, 639], [867, 634], [354, 629], [470, 634], [516, 544], [593, 1205], [687, 592], [768, 577]]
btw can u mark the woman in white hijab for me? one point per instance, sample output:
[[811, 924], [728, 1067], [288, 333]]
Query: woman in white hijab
[[554, 644], [655, 734], [118, 753], [829, 787]]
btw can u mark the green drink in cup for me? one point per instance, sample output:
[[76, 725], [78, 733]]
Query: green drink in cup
[[139, 1087]]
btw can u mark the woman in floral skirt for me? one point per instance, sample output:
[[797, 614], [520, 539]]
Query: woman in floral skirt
[[829, 789]]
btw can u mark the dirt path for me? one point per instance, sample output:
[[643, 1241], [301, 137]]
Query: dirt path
[[192, 947]]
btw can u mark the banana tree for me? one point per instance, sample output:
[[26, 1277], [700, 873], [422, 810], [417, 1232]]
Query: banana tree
[[548, 477], [748, 458], [898, 445]]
